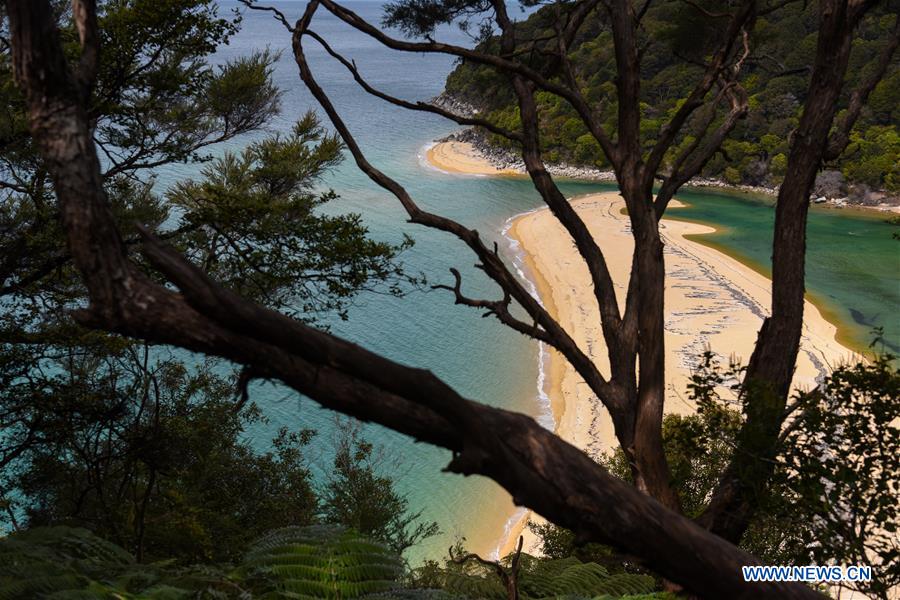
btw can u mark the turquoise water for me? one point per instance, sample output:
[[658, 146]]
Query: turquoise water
[[479, 357], [853, 264]]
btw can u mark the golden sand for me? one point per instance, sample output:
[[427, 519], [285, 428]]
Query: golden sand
[[712, 301], [462, 157]]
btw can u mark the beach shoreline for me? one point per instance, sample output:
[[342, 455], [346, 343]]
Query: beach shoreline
[[713, 300], [458, 156], [709, 292], [462, 158]]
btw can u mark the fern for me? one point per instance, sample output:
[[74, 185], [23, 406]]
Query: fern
[[321, 562], [561, 579], [298, 563], [51, 562]]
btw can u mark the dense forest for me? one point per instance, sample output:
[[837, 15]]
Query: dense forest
[[782, 47]]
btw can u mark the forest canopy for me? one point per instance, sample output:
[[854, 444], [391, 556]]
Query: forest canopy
[[677, 37]]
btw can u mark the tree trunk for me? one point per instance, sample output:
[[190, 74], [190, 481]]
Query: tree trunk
[[771, 367], [651, 470]]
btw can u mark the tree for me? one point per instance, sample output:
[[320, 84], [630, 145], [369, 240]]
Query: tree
[[633, 393], [93, 423], [152, 455], [634, 338], [252, 218], [509, 448], [832, 499], [361, 497], [320, 562], [843, 452]]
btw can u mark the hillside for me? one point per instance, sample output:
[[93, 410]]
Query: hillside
[[775, 77]]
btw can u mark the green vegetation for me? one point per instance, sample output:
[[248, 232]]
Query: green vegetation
[[307, 562], [295, 562], [126, 468], [678, 37], [537, 578], [838, 474], [153, 455], [358, 495], [144, 445], [195, 521]]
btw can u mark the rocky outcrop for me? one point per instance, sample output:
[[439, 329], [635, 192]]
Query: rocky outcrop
[[454, 104]]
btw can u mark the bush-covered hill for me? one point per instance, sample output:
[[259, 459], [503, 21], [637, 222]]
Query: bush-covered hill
[[678, 37]]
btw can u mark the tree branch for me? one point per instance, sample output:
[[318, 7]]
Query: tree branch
[[539, 469], [417, 106], [669, 131], [490, 261], [497, 62], [497, 308]]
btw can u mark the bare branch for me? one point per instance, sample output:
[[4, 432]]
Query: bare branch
[[496, 308], [538, 468], [491, 263], [251, 4], [418, 106], [509, 577], [693, 158], [668, 132], [497, 62]]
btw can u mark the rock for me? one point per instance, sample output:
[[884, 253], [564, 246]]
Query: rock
[[830, 184], [454, 104], [756, 172]]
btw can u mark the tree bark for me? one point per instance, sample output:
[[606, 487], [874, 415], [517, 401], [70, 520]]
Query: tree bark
[[771, 368]]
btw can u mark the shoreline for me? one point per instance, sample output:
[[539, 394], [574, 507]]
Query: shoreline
[[843, 334], [577, 417], [459, 157], [461, 154], [722, 310]]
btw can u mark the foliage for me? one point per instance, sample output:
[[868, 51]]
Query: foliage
[[358, 495], [254, 222], [305, 562], [840, 466], [677, 39], [323, 562], [835, 495], [295, 562], [537, 578], [153, 455], [141, 444]]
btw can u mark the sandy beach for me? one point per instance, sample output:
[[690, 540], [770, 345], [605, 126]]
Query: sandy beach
[[712, 300], [461, 157]]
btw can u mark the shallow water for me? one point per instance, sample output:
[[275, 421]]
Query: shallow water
[[479, 357]]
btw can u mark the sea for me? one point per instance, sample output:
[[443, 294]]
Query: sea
[[853, 267]]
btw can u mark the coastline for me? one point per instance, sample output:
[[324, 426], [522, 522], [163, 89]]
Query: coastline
[[462, 158], [461, 153], [712, 300]]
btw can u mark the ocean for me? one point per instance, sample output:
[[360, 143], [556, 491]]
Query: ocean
[[479, 357]]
